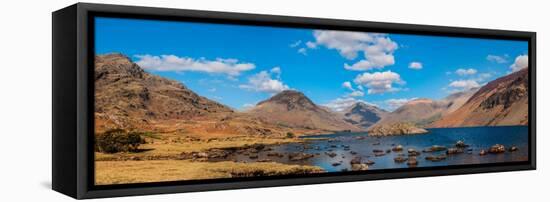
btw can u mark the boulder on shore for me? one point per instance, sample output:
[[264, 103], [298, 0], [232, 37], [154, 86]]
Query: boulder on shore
[[397, 148], [298, 156], [513, 149], [396, 129], [497, 148], [482, 152], [412, 161]]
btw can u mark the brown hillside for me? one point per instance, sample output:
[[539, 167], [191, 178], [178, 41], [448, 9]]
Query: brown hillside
[[127, 97], [503, 101], [293, 109]]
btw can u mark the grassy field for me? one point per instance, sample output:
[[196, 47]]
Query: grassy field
[[157, 161], [123, 172], [170, 145]]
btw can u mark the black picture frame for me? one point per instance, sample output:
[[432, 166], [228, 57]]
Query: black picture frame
[[73, 99]]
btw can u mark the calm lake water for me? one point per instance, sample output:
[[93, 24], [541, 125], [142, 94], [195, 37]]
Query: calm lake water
[[346, 146]]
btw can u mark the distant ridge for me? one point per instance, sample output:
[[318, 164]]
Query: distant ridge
[[363, 115], [423, 112]]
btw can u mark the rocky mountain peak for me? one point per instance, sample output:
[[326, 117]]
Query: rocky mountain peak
[[292, 99], [363, 114], [116, 65]]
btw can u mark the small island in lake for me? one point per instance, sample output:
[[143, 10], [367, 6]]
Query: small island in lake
[[396, 129]]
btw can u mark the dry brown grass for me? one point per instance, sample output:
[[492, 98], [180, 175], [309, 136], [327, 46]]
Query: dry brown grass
[[123, 172], [173, 145], [110, 169]]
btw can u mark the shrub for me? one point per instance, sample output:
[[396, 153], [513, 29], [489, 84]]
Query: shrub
[[290, 135], [118, 140]]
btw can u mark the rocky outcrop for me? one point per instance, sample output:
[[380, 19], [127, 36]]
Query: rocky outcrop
[[396, 129]]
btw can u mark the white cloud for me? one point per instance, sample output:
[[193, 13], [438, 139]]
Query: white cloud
[[340, 104], [375, 62], [247, 106], [356, 94], [311, 45], [483, 76], [276, 71], [521, 62], [347, 85], [379, 82], [497, 58], [396, 103], [230, 67], [377, 48], [302, 51], [263, 82], [462, 85], [295, 44], [415, 65], [465, 72]]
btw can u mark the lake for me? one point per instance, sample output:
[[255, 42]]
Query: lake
[[343, 147]]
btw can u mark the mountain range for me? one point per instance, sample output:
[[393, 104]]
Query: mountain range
[[423, 112], [128, 97]]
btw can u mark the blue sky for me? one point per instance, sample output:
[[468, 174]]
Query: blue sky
[[242, 65]]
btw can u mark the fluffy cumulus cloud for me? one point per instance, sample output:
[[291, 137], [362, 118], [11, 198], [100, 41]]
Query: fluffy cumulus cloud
[[465, 71], [415, 65], [462, 85], [497, 58], [521, 62], [311, 45], [340, 104], [347, 85], [379, 82], [230, 67], [264, 81], [376, 48], [396, 103], [354, 92]]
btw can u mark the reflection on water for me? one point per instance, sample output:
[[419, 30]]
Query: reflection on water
[[335, 152]]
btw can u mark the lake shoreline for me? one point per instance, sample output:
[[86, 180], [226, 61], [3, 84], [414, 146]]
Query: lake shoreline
[[337, 152]]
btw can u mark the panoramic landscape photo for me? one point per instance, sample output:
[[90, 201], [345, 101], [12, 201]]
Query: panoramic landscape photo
[[177, 101]]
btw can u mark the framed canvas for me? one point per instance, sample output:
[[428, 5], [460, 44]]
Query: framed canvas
[[155, 100]]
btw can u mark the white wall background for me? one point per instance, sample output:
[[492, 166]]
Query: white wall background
[[25, 102]]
